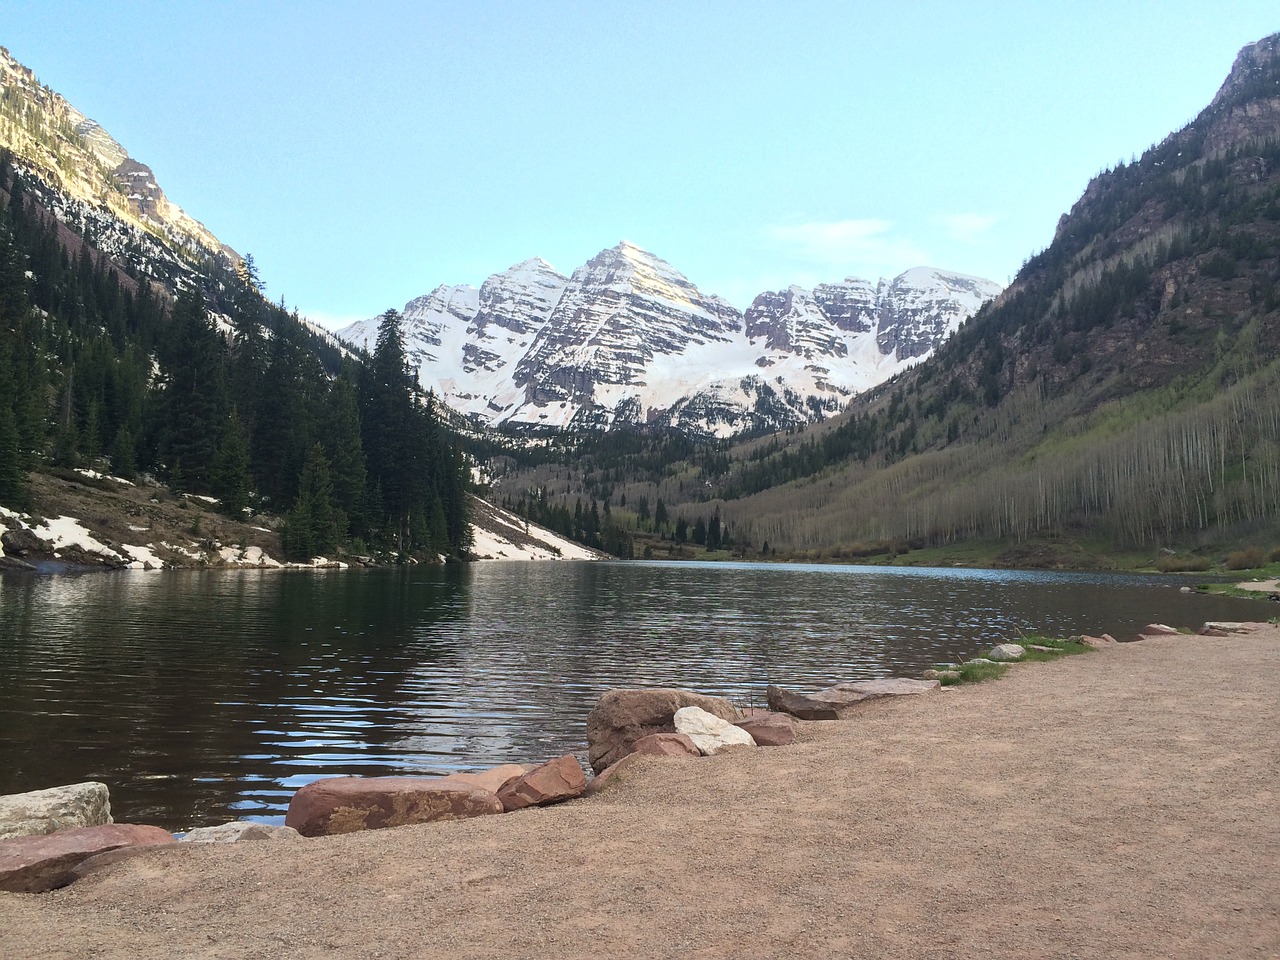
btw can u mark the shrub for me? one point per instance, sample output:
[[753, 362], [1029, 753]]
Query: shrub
[[1245, 559], [1177, 563]]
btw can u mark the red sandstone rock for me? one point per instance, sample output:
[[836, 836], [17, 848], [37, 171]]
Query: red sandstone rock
[[37, 864], [770, 729], [613, 776], [347, 804], [492, 779], [666, 745], [798, 705], [621, 717], [1098, 643], [1158, 630], [552, 782]]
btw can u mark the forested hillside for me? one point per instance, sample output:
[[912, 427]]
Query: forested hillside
[[216, 392], [1124, 387]]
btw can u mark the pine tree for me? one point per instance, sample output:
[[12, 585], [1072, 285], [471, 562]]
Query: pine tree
[[311, 527], [231, 470]]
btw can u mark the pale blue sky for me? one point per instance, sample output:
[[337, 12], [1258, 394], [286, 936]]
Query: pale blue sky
[[366, 152]]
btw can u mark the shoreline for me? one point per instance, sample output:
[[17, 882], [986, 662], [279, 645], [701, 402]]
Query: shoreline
[[1120, 803]]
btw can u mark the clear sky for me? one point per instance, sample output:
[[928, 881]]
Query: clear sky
[[366, 152]]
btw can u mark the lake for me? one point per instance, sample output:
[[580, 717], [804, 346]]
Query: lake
[[200, 697]]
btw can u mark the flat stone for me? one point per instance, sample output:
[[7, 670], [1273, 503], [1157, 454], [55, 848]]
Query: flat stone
[[666, 745], [844, 698], [1158, 630], [1007, 652], [771, 729], [238, 831], [798, 705], [710, 734], [983, 661], [41, 812], [34, 864], [493, 779], [552, 782], [621, 717], [941, 675], [1040, 648], [348, 804], [1098, 643], [1226, 626]]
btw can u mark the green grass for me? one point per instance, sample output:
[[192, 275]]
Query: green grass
[[975, 673]]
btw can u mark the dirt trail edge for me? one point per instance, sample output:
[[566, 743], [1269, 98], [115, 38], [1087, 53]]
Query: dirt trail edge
[[1124, 803]]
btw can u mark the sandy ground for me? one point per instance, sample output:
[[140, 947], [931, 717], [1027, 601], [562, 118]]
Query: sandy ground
[[1120, 804]]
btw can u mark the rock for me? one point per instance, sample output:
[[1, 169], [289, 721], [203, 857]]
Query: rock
[[34, 864], [1158, 630], [798, 705], [770, 729], [237, 831], [666, 745], [1098, 643], [57, 808], [1039, 648], [837, 702], [492, 779], [1185, 590], [552, 782], [982, 662], [1007, 652], [621, 717], [710, 733], [1224, 627], [942, 675], [614, 776], [347, 804]]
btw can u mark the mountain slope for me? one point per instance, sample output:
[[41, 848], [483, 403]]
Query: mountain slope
[[627, 339], [1125, 384]]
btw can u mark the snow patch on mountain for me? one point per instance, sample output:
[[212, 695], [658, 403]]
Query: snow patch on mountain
[[628, 339]]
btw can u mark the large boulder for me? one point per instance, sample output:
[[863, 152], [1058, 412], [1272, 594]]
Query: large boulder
[[1007, 652], [238, 831], [709, 733], [57, 808], [837, 702], [34, 864], [554, 781], [348, 804], [770, 729], [621, 717], [666, 745]]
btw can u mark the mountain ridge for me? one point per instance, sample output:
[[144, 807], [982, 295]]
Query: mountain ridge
[[628, 339]]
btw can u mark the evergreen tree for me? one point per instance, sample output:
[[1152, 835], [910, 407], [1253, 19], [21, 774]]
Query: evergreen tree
[[311, 527], [231, 471]]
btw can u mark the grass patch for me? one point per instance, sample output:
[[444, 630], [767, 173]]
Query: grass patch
[[974, 673]]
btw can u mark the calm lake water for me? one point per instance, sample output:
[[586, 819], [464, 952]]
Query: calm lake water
[[200, 697]]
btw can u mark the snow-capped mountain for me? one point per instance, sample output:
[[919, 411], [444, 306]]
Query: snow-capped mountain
[[89, 181], [627, 339]]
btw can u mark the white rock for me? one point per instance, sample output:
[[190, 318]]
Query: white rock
[[58, 808], [1005, 652], [708, 732]]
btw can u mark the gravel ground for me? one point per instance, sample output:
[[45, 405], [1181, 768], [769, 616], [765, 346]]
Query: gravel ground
[[1120, 804]]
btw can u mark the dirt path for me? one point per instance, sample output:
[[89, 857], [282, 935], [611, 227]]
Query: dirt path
[[1121, 804]]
